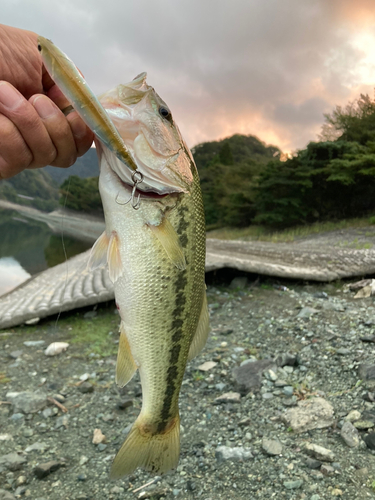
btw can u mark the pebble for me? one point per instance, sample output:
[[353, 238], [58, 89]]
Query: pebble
[[272, 446], [15, 354], [83, 460], [228, 397], [370, 440], [43, 470], [320, 453], [314, 413], [353, 415], [327, 470], [27, 401], [312, 463], [12, 461], [293, 485], [350, 434], [39, 446], [62, 422], [288, 390], [34, 343], [56, 348], [267, 395], [307, 312], [226, 453], [6, 495], [125, 403], [98, 437], [86, 388], [363, 424], [208, 365], [6, 437], [248, 376]]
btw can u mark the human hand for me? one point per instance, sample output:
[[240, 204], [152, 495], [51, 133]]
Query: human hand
[[34, 132]]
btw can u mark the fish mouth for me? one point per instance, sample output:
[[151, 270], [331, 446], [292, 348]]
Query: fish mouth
[[150, 195]]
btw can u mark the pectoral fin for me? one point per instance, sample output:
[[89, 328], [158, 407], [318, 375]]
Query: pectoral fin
[[126, 366], [201, 335], [114, 259], [169, 239], [98, 255]]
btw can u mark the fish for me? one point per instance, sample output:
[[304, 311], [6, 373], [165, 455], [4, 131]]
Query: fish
[[156, 261]]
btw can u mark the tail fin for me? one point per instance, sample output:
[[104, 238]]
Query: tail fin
[[156, 453]]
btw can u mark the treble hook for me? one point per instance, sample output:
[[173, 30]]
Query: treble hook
[[137, 178]]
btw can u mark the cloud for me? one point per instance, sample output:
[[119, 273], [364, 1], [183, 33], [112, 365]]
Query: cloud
[[266, 68]]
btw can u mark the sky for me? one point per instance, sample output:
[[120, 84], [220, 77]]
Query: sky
[[270, 68]]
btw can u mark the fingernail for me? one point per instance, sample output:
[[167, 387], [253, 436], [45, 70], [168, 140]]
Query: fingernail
[[78, 127], [9, 96], [45, 107]]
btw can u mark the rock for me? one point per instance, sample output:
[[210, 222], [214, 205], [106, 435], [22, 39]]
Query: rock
[[15, 354], [350, 434], [43, 470], [62, 422], [363, 424], [286, 359], [39, 446], [312, 463], [27, 401], [6, 437], [267, 395], [248, 377], [126, 403], [288, 390], [98, 437], [367, 371], [369, 396], [47, 413], [17, 416], [368, 338], [32, 321], [101, 446], [208, 365], [327, 470], [6, 495], [12, 461], [314, 413], [34, 343], [364, 293], [336, 492], [272, 446], [226, 453], [56, 348], [370, 440], [343, 351], [239, 282], [83, 460], [293, 485], [307, 312], [86, 388], [319, 452], [352, 416], [228, 397]]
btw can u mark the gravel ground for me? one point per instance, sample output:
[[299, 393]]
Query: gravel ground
[[305, 348]]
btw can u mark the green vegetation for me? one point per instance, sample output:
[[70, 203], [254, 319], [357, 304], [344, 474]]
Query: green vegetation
[[36, 184], [329, 180], [81, 194], [229, 171]]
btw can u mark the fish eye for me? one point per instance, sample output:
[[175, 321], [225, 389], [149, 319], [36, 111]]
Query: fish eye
[[39, 47], [165, 113]]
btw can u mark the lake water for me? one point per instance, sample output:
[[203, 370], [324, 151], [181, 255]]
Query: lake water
[[28, 247]]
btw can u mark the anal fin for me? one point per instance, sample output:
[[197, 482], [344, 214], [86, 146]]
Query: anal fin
[[167, 236], [201, 334], [98, 254], [126, 366]]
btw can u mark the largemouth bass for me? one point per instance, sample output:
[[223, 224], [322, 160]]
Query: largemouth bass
[[156, 257]]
